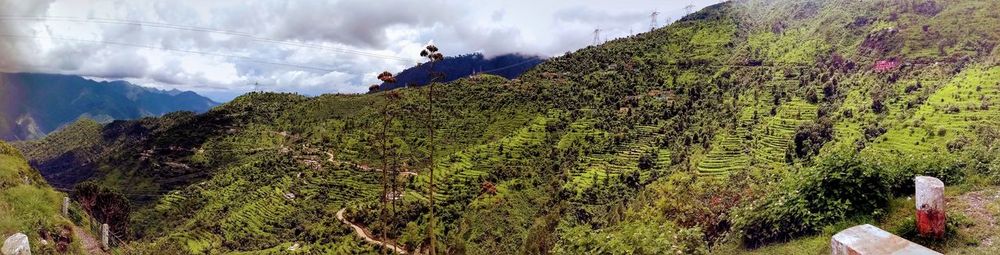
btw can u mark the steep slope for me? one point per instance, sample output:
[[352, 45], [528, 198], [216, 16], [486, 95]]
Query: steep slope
[[743, 125], [36, 104], [508, 66], [29, 206]]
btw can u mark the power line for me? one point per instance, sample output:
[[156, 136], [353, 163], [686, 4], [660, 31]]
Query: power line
[[243, 58], [202, 29], [514, 65]]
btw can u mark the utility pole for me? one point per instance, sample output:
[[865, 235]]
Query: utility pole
[[597, 36], [652, 21]]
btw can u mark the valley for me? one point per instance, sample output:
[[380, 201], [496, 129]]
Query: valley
[[747, 127]]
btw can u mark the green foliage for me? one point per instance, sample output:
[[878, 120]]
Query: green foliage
[[27, 204], [749, 120], [839, 186], [631, 238]]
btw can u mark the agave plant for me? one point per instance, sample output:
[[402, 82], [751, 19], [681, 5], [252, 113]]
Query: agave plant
[[431, 52], [387, 77]]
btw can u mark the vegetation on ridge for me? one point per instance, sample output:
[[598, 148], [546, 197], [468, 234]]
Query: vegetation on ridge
[[736, 129]]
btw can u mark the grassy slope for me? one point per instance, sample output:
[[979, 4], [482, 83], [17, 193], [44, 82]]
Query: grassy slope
[[27, 204], [717, 95]]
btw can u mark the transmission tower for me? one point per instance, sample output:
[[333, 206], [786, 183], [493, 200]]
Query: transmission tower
[[652, 21], [597, 36], [689, 9]]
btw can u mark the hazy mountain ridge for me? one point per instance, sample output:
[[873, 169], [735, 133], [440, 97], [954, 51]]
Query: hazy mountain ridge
[[36, 104], [508, 66]]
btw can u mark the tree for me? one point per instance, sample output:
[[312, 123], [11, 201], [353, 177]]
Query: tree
[[646, 161]]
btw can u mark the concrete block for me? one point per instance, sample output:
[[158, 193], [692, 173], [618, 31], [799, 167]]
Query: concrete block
[[870, 240]]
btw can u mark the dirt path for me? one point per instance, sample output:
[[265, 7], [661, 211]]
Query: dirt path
[[87, 242], [366, 168], [361, 232]]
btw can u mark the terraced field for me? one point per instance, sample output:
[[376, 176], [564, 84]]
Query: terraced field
[[949, 112], [582, 132], [461, 169], [766, 147], [596, 168]]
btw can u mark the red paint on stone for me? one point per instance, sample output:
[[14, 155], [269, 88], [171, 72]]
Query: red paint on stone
[[931, 223]]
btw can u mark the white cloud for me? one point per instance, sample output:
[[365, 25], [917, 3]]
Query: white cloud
[[164, 53]]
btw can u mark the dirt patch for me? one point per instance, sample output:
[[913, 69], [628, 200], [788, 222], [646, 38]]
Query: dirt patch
[[980, 207]]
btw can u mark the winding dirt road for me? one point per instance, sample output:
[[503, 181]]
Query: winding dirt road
[[361, 232], [366, 168]]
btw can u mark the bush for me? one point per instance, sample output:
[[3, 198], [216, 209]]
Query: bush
[[810, 138], [692, 203], [901, 171], [840, 185], [647, 160]]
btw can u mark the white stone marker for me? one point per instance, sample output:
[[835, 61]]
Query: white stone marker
[[104, 237], [16, 244], [870, 240], [930, 206], [65, 208]]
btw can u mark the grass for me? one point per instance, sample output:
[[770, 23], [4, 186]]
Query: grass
[[27, 205]]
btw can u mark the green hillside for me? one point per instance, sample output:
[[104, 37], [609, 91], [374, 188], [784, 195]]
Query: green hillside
[[750, 126], [29, 206]]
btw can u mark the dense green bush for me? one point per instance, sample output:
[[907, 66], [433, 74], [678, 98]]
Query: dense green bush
[[840, 185], [810, 138]]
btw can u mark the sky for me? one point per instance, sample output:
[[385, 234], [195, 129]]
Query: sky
[[224, 48]]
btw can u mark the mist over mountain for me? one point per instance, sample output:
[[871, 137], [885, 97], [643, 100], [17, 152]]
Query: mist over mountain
[[747, 127], [33, 105]]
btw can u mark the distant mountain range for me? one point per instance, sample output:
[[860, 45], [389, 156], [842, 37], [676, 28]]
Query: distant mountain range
[[508, 66], [32, 105]]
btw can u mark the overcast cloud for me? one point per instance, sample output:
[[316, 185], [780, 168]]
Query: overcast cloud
[[215, 47]]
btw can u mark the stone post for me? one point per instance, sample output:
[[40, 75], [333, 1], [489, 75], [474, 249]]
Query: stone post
[[104, 237], [930, 207], [65, 207]]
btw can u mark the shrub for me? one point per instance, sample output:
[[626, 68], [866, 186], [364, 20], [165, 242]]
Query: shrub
[[901, 171], [840, 185], [952, 109], [704, 204], [958, 144], [872, 131], [810, 138], [647, 160]]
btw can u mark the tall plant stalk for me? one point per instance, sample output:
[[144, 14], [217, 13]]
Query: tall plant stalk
[[431, 52], [430, 125]]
